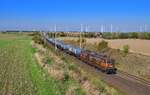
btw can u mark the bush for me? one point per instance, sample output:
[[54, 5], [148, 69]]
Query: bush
[[126, 35], [83, 40], [126, 49], [89, 34], [107, 35], [72, 67], [37, 38], [62, 34], [66, 77], [102, 45], [123, 35]]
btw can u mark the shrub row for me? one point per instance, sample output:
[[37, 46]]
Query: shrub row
[[126, 35]]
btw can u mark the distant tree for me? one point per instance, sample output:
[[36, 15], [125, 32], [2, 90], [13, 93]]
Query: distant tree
[[123, 35], [126, 49], [133, 35], [51, 34], [126, 35], [141, 35], [62, 34], [146, 35], [88, 34], [83, 40], [102, 45], [149, 35], [114, 35], [37, 38], [106, 35]]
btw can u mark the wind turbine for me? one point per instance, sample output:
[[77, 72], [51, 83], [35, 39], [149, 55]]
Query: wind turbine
[[86, 29], [55, 29], [111, 28], [141, 28], [145, 28], [81, 36], [102, 28]]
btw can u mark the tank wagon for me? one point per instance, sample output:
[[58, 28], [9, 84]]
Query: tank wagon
[[100, 61]]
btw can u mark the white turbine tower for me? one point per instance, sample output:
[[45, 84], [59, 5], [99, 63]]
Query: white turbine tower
[[111, 28], [33, 30], [81, 35], [102, 28], [55, 30], [145, 28], [141, 29], [86, 29]]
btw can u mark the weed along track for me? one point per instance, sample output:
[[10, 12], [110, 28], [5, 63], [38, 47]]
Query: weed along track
[[132, 77], [122, 81]]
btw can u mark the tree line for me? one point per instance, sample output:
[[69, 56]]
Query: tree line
[[126, 35], [75, 34], [105, 35]]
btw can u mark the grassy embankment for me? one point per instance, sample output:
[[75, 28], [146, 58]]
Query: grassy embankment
[[63, 67]]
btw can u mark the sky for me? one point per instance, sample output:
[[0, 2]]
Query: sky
[[124, 15]]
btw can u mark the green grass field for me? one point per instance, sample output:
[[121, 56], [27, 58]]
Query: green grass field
[[19, 72]]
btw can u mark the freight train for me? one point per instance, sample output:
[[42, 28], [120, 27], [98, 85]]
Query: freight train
[[100, 61]]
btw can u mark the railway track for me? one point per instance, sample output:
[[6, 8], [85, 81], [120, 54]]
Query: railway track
[[129, 84], [140, 80]]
